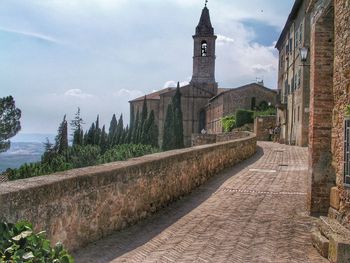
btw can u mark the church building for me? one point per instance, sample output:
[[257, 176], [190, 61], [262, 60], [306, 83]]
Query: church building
[[202, 92]]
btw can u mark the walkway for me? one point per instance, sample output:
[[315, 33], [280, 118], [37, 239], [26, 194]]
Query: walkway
[[254, 212]]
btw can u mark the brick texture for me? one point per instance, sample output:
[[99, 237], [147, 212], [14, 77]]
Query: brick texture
[[253, 213], [322, 176]]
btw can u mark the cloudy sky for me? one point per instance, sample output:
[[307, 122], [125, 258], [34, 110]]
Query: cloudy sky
[[57, 55]]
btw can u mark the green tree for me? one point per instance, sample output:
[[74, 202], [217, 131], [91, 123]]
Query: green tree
[[97, 133], [9, 121], [173, 125], [119, 130], [169, 135], [135, 130], [77, 127], [89, 137], [61, 145], [152, 131], [112, 130], [103, 140], [178, 124]]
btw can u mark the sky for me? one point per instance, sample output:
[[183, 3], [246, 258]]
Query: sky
[[58, 55]]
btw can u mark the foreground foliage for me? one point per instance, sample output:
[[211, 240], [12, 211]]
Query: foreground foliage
[[18, 243]]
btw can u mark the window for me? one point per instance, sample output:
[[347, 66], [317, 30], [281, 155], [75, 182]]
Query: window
[[347, 152], [300, 33], [292, 85], [298, 113], [290, 45], [299, 77], [296, 39], [204, 48], [253, 103]]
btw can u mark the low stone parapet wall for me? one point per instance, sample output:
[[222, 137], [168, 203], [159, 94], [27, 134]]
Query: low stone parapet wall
[[80, 206], [202, 139]]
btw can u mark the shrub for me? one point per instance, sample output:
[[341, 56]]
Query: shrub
[[228, 123], [18, 243], [244, 117], [271, 111]]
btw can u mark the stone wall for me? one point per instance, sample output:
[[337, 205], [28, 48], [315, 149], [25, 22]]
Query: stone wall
[[80, 206], [262, 125], [202, 139], [340, 197]]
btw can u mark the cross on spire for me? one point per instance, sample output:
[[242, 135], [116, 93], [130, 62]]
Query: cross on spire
[[206, 2]]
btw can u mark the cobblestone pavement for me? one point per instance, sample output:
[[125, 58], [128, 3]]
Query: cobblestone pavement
[[253, 212]]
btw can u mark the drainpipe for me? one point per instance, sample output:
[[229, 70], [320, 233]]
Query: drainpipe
[[293, 90]]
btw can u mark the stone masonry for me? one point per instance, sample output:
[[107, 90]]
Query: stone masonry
[[83, 205], [322, 176], [254, 212], [340, 201]]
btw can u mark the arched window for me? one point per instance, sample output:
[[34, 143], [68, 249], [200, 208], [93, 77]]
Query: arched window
[[204, 48]]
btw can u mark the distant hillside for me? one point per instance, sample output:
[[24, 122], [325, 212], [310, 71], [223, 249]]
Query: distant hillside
[[20, 153]]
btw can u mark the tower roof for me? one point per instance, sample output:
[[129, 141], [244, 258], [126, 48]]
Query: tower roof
[[204, 26]]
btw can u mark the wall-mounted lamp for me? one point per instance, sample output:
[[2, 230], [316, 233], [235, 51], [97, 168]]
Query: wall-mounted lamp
[[304, 52]]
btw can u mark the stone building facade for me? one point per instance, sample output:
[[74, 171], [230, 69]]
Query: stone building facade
[[199, 97], [294, 77], [329, 187], [230, 100]]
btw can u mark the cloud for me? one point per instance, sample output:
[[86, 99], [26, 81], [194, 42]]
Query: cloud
[[77, 93], [224, 40], [258, 68], [173, 84], [31, 35], [125, 94]]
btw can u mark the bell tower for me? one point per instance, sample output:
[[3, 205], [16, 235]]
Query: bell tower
[[204, 54]]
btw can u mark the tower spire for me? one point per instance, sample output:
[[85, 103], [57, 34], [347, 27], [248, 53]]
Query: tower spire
[[206, 2]]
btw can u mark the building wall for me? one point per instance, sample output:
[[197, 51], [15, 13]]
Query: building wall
[[341, 94], [229, 102], [83, 205], [151, 105], [193, 101], [322, 176], [293, 79], [214, 112], [262, 125]]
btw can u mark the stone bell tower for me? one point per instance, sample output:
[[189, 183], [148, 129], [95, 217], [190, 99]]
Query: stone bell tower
[[204, 54]]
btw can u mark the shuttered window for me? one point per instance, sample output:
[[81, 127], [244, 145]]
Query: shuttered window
[[347, 153]]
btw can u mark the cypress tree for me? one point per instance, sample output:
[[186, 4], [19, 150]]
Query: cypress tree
[[178, 124], [168, 136], [126, 132], [131, 127], [61, 145], [173, 125], [103, 140], [119, 130], [97, 133], [77, 128], [112, 130], [144, 112], [135, 130], [152, 131], [90, 136]]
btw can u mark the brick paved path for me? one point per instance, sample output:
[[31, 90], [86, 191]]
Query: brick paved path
[[254, 212]]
